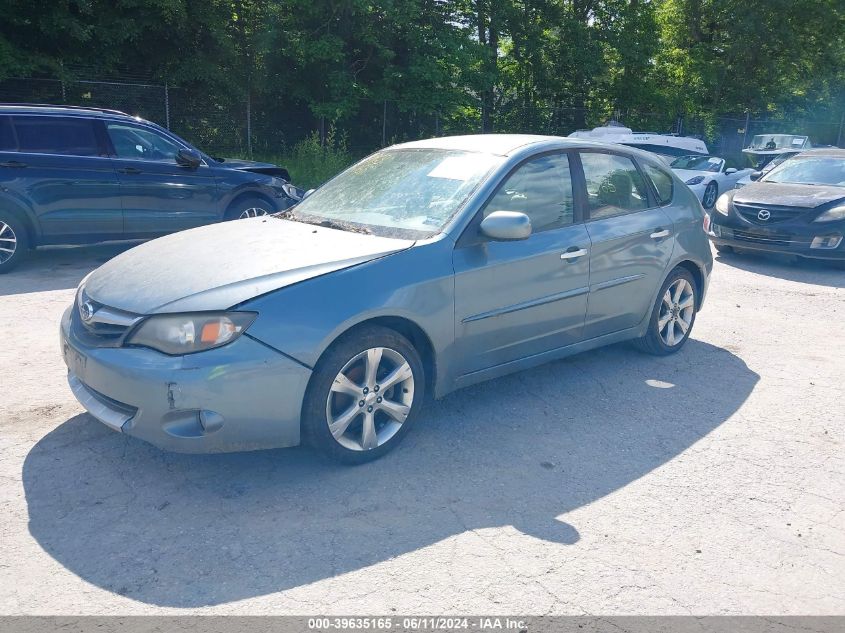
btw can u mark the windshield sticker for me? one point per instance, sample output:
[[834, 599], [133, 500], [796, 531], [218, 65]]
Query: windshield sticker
[[457, 167]]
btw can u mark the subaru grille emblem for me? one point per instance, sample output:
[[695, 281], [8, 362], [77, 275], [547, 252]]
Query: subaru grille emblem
[[764, 215], [86, 311]]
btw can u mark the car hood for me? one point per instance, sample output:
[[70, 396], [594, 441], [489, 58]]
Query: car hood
[[786, 195], [248, 165], [686, 174], [218, 266], [255, 167]]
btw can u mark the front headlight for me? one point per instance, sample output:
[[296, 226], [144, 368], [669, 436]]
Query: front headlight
[[723, 204], [283, 188], [178, 334], [695, 180], [831, 215]]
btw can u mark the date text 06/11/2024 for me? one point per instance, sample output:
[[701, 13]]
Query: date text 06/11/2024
[[416, 623]]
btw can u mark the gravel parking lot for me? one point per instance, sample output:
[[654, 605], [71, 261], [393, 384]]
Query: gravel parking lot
[[612, 482]]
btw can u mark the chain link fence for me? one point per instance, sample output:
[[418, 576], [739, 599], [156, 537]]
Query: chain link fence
[[246, 126]]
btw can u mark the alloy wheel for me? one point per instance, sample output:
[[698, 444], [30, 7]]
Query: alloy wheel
[[370, 399], [677, 310], [252, 212], [8, 242], [709, 196]]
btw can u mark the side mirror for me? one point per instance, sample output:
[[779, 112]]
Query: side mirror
[[308, 193], [755, 175], [188, 158], [506, 226], [730, 170]]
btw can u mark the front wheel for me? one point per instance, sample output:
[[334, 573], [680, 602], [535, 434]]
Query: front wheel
[[13, 242], [711, 193], [364, 395], [673, 315], [248, 208]]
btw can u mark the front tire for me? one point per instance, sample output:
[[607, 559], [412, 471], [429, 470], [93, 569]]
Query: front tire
[[673, 315], [14, 242], [723, 248], [711, 194], [364, 395], [248, 208]]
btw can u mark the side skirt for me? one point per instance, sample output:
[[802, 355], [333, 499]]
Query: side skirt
[[544, 357]]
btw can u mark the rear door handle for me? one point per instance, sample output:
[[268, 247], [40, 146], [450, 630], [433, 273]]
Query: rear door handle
[[659, 234], [14, 164], [129, 170], [573, 253]]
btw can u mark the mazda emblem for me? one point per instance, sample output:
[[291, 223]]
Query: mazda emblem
[[764, 214]]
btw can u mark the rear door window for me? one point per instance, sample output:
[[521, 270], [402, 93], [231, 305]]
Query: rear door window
[[70, 136], [614, 185]]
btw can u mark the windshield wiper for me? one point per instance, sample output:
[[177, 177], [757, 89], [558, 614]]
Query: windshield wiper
[[324, 222]]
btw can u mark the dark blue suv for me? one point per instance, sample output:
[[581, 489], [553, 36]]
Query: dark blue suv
[[78, 175]]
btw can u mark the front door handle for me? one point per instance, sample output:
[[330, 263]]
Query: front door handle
[[573, 253], [659, 234], [129, 170], [14, 164]]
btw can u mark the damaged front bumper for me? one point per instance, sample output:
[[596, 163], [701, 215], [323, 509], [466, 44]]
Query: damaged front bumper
[[243, 396]]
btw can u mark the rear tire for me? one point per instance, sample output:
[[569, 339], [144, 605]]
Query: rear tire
[[14, 242], [249, 208], [364, 395], [672, 316]]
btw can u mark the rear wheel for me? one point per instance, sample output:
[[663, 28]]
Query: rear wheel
[[14, 242], [673, 315], [364, 395], [249, 208], [711, 193]]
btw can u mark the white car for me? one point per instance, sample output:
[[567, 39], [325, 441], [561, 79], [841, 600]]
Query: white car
[[707, 176]]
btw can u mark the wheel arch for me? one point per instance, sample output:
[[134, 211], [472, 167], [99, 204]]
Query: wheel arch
[[24, 218], [412, 331], [697, 275], [246, 195]]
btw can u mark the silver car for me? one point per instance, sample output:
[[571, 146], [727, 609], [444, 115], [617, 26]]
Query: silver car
[[424, 268]]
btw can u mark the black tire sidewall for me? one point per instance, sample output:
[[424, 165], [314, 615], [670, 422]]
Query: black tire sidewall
[[22, 246], [315, 429], [234, 211], [652, 338]]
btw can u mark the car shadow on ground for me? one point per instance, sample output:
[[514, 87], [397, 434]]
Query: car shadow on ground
[[807, 271], [188, 531], [58, 267]]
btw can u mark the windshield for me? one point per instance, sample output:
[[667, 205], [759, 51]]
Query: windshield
[[777, 160], [409, 193], [698, 163], [810, 171], [777, 141]]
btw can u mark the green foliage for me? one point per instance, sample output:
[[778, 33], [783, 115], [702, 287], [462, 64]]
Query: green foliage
[[447, 66], [312, 163]]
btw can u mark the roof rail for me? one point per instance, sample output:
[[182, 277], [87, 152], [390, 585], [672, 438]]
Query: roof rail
[[63, 107]]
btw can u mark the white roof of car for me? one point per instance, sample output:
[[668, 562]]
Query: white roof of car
[[501, 144]]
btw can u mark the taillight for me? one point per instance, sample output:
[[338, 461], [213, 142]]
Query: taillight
[[706, 222]]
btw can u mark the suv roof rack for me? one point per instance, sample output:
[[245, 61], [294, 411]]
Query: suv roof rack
[[63, 107]]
